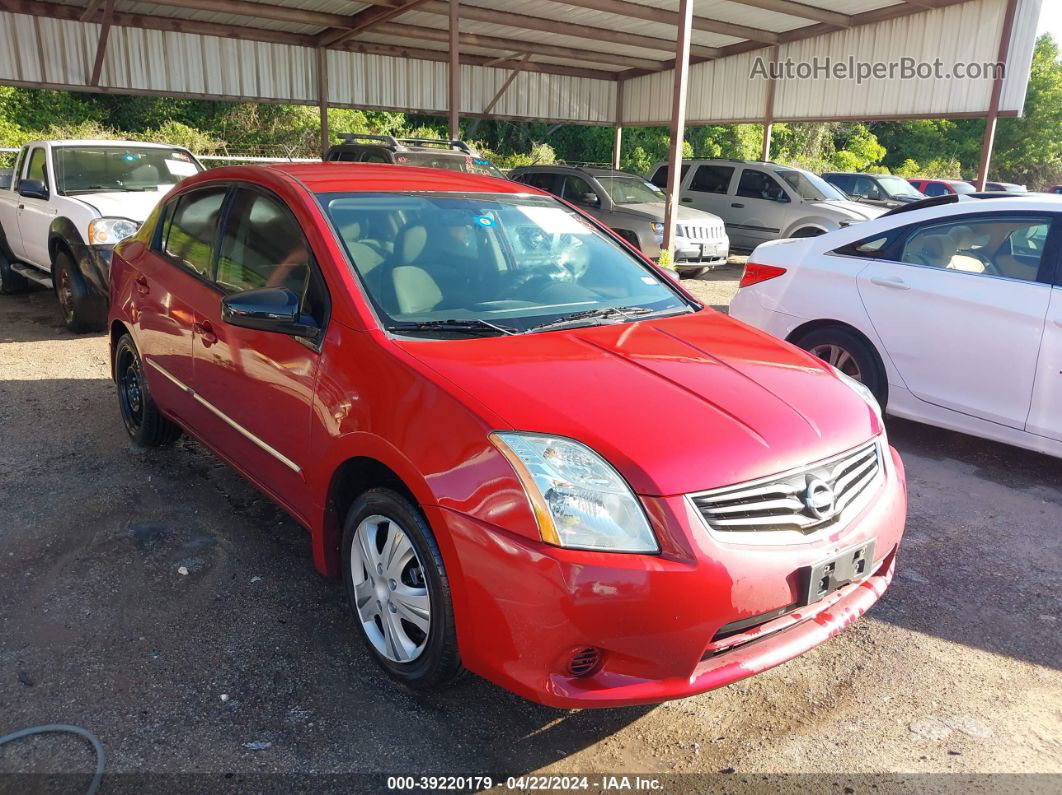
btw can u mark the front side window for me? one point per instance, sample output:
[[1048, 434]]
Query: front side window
[[374, 156], [577, 190], [542, 181], [500, 262], [660, 177], [1008, 247], [263, 246], [629, 189], [189, 235], [897, 186], [841, 182], [808, 186], [758, 185], [38, 166], [936, 189], [712, 179], [97, 169]]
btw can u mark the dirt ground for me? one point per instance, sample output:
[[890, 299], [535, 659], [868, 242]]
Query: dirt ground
[[248, 665]]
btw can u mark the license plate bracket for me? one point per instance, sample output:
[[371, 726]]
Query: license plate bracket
[[825, 577]]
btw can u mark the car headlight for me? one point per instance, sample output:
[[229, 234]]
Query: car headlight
[[863, 392], [578, 499], [108, 231]]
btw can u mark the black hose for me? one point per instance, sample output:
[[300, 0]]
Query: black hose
[[62, 728]]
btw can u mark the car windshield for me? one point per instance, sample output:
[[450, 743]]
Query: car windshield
[[492, 263], [452, 161], [96, 169], [628, 189], [809, 187], [895, 186]]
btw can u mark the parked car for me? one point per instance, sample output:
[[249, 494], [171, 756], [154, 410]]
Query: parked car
[[763, 201], [942, 187], [877, 190], [1001, 187], [1056, 189], [525, 449], [425, 152], [634, 209], [67, 206], [945, 312]]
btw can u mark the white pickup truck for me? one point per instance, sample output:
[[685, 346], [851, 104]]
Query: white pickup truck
[[68, 203]]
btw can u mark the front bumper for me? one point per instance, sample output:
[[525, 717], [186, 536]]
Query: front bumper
[[522, 608]]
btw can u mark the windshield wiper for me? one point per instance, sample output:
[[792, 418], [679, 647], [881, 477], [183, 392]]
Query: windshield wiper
[[463, 326], [604, 313], [109, 189]]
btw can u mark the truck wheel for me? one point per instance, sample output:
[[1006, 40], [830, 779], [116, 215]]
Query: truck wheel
[[143, 420], [10, 282], [82, 311]]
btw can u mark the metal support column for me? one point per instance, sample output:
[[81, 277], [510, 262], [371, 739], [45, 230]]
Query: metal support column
[[678, 122]]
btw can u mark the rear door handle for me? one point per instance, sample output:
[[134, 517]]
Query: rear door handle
[[142, 285], [206, 333], [895, 282], [738, 205]]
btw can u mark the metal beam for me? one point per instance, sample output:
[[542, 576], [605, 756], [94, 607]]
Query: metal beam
[[624, 8], [101, 47], [997, 91], [542, 25], [322, 97], [367, 19], [800, 10], [508, 82], [455, 70], [768, 115], [90, 10], [678, 123], [508, 45], [617, 133]]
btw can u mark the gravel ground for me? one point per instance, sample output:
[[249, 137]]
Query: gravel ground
[[248, 664]]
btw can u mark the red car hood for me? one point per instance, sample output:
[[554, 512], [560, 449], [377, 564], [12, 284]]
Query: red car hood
[[676, 405]]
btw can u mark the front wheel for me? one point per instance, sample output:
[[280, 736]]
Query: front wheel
[[146, 425], [82, 310], [849, 353], [399, 590]]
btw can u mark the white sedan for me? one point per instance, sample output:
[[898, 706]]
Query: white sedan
[[949, 311]]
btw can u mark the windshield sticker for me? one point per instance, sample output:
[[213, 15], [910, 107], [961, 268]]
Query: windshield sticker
[[485, 220], [180, 168], [554, 220]]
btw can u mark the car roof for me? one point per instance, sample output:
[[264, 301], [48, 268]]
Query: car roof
[[102, 142], [369, 178], [564, 168], [854, 174]]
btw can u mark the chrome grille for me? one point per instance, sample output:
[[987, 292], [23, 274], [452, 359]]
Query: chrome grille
[[796, 501], [701, 232]]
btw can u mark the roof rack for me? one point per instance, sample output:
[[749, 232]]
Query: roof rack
[[350, 138], [461, 146]]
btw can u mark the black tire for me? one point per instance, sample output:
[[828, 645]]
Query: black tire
[[146, 425], [10, 282], [691, 273], [82, 310], [869, 369], [439, 663]]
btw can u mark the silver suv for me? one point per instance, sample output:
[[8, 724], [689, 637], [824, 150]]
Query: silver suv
[[634, 209], [764, 201]]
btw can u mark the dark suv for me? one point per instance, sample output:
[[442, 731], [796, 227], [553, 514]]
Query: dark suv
[[877, 190], [424, 152]]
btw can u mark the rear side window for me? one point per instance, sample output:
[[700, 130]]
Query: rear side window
[[374, 156], [712, 179], [842, 181], [343, 156], [190, 233], [542, 181], [935, 189]]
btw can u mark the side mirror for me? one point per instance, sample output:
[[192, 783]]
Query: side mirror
[[268, 309], [32, 189], [590, 200], [874, 195]]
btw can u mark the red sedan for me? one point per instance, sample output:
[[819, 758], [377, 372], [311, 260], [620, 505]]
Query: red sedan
[[524, 448]]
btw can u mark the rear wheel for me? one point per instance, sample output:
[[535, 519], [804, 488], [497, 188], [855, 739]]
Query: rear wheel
[[850, 354], [82, 310], [146, 425], [399, 591]]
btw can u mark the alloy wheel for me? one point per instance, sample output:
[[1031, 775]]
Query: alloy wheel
[[390, 590], [839, 358]]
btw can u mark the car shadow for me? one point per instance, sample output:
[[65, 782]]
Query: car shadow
[[32, 316], [158, 599], [982, 554]]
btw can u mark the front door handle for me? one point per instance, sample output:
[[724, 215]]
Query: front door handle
[[739, 205], [205, 331], [142, 285], [895, 282], [22, 207]]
